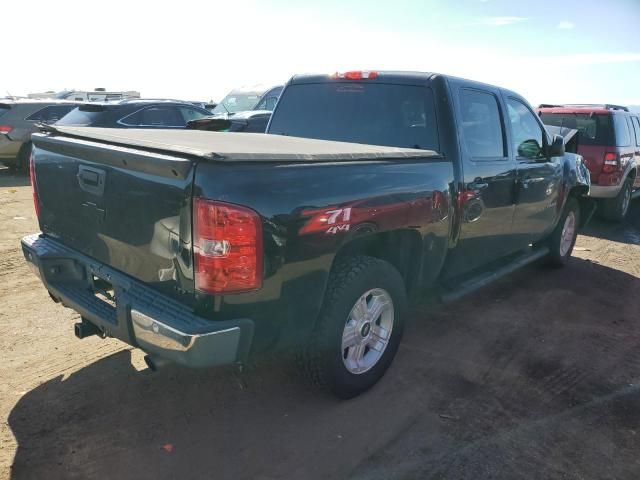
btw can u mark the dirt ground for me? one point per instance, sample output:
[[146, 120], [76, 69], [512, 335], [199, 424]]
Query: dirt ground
[[535, 377]]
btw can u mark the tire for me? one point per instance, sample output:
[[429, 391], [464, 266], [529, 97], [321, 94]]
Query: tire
[[615, 209], [372, 285], [561, 241], [22, 161]]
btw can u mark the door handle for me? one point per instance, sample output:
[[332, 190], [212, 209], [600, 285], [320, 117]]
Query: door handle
[[91, 179], [477, 184], [529, 180]]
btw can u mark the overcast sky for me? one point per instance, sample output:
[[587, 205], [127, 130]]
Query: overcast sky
[[547, 50]]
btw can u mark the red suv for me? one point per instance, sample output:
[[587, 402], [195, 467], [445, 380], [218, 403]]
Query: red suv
[[609, 142]]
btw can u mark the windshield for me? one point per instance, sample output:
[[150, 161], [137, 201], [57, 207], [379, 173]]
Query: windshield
[[4, 110], [376, 114], [237, 102], [81, 116], [592, 129]]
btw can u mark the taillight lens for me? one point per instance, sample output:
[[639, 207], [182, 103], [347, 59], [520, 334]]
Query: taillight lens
[[611, 163], [5, 128], [227, 247], [34, 184]]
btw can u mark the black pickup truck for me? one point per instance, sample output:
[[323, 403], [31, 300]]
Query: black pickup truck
[[203, 248]]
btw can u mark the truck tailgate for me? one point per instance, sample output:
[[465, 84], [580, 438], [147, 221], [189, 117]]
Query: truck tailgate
[[127, 208]]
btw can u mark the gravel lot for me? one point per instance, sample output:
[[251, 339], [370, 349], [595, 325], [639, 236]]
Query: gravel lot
[[537, 376]]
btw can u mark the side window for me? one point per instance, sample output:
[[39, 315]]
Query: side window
[[636, 125], [268, 103], [526, 133], [481, 125], [623, 136], [189, 114], [38, 116], [154, 117], [56, 113]]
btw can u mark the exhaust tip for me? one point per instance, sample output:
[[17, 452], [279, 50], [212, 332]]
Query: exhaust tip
[[155, 363], [150, 363]]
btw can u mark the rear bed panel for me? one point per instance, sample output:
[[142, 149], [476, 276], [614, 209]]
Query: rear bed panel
[[127, 209]]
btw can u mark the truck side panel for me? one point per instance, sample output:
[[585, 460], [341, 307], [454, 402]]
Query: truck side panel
[[311, 212]]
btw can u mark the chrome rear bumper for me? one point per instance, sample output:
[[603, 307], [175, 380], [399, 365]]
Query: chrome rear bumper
[[140, 315]]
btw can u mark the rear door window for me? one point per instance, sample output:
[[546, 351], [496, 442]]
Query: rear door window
[[481, 125], [621, 127], [359, 112], [50, 114], [84, 115]]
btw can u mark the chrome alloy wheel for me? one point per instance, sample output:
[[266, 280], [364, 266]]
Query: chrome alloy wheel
[[367, 331], [568, 232]]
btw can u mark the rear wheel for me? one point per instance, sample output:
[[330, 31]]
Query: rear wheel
[[359, 328], [22, 162], [615, 209], [563, 238]]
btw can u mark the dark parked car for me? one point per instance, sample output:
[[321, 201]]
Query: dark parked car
[[609, 141], [248, 98], [202, 248], [252, 121], [134, 114], [19, 119]]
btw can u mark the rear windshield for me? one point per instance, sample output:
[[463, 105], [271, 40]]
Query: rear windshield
[[592, 129], [82, 116], [4, 109], [370, 113]]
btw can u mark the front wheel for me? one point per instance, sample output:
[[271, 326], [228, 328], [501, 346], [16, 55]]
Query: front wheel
[[359, 328], [563, 238]]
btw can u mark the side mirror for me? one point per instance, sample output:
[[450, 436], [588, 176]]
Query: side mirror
[[556, 149], [530, 149]]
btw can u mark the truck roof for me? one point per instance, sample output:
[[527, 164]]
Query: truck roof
[[37, 101], [579, 110], [392, 76], [253, 147]]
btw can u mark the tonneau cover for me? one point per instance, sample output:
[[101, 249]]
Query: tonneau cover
[[221, 146]]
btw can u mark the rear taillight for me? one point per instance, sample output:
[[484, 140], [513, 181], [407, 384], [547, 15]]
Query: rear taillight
[[611, 163], [227, 247], [5, 129], [34, 184]]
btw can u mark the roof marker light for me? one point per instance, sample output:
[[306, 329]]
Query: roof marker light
[[356, 75]]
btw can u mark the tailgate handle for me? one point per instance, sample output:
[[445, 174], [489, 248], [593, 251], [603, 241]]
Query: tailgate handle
[[91, 179]]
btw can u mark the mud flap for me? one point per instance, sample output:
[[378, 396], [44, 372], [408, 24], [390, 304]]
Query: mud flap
[[588, 207]]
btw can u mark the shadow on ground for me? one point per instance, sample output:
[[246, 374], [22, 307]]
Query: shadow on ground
[[533, 377], [11, 178], [627, 231]]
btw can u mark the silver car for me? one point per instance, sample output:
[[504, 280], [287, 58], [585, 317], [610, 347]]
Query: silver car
[[19, 119]]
